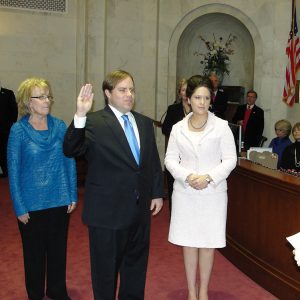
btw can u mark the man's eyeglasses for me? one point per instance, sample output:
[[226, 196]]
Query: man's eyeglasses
[[44, 98]]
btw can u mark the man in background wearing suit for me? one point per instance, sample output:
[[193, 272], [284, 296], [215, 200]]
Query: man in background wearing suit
[[8, 115], [219, 97], [251, 118], [124, 184]]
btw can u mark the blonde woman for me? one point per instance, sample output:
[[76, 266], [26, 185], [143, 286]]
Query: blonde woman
[[175, 113], [283, 130], [43, 189]]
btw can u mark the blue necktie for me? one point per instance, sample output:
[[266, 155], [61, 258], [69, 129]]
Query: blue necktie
[[131, 138]]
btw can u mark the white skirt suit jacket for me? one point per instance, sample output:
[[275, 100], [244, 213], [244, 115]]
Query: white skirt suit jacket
[[198, 217]]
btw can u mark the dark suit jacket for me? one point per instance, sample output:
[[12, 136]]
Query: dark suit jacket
[[174, 114], [8, 110], [255, 125], [219, 106], [117, 191]]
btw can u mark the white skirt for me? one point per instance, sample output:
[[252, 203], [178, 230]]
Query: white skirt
[[198, 220]]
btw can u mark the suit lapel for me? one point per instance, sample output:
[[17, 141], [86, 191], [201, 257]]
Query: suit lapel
[[118, 132]]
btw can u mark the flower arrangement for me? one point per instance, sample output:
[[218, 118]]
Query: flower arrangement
[[217, 58]]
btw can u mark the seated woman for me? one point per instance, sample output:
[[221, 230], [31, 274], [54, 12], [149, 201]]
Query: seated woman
[[290, 159], [282, 130]]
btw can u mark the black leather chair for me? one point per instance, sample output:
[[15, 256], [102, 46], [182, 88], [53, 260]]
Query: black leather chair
[[262, 141]]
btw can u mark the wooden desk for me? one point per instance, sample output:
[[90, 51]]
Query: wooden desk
[[263, 209]]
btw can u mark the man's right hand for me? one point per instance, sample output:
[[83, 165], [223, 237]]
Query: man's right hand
[[84, 100]]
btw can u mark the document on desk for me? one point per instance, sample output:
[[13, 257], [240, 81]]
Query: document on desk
[[294, 240]]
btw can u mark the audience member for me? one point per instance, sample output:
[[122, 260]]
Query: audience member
[[251, 118], [282, 130], [8, 115], [124, 184], [201, 154], [43, 189], [175, 113], [219, 97], [291, 154]]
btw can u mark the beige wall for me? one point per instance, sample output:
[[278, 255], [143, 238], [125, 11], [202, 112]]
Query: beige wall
[[43, 45], [143, 37]]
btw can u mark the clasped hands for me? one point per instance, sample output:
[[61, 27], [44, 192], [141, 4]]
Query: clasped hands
[[197, 182]]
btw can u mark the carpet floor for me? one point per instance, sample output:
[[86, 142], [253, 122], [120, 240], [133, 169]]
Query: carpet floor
[[165, 277]]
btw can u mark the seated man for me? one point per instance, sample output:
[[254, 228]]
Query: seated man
[[251, 118]]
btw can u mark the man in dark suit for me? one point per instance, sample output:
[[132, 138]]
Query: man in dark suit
[[219, 97], [124, 184], [251, 118], [8, 115]]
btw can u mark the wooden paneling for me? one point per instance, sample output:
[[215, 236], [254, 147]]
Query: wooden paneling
[[263, 209]]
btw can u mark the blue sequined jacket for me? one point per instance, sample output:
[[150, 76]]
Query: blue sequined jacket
[[40, 176]]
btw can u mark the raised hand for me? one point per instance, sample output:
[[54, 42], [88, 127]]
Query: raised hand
[[84, 100]]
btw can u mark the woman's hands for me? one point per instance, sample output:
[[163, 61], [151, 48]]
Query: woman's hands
[[197, 182], [84, 100], [24, 218], [71, 207]]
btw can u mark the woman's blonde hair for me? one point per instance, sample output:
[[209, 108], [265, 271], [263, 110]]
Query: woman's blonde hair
[[284, 125], [180, 84], [24, 93]]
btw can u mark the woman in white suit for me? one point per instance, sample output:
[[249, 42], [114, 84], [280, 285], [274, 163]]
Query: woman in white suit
[[201, 154]]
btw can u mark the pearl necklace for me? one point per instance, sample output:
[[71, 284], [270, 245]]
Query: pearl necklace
[[297, 163], [197, 128]]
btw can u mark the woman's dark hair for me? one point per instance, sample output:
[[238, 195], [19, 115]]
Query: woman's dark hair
[[195, 82]]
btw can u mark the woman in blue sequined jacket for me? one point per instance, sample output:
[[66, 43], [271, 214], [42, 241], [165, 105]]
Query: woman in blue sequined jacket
[[43, 189]]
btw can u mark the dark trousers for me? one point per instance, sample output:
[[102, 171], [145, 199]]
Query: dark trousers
[[44, 240], [123, 252], [170, 182], [3, 154]]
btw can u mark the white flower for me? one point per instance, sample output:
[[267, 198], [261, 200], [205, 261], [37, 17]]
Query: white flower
[[216, 59]]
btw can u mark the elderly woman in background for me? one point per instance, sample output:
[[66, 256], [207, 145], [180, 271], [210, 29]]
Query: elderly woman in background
[[283, 130], [175, 113], [291, 155], [43, 190], [200, 156]]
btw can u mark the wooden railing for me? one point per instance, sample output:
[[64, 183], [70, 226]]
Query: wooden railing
[[263, 209]]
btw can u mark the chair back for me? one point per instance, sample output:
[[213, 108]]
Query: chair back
[[262, 141]]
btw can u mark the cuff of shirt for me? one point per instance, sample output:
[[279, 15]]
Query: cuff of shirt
[[79, 122]]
